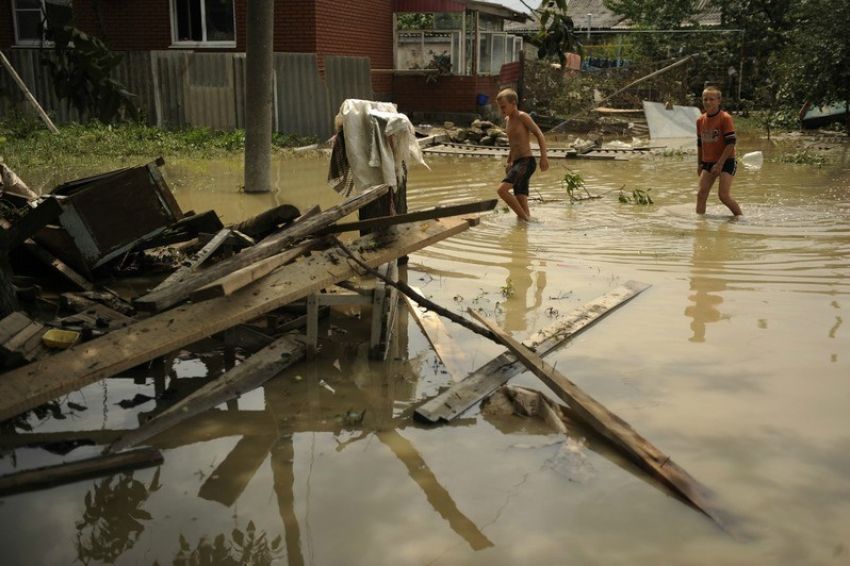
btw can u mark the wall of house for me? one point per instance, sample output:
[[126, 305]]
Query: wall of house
[[330, 27], [126, 26], [7, 31], [447, 94]]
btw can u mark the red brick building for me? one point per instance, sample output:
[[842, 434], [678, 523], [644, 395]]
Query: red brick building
[[365, 28]]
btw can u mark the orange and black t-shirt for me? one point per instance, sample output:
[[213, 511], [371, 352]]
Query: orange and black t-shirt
[[714, 133]]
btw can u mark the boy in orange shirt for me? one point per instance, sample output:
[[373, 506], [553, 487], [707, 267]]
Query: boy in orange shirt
[[715, 152]]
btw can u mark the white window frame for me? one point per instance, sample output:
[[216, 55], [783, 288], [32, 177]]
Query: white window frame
[[41, 11], [176, 42]]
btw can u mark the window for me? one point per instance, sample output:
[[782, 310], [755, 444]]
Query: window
[[203, 22], [34, 17]]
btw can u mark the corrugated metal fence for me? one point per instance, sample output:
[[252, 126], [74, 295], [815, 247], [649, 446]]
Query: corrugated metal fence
[[178, 89]]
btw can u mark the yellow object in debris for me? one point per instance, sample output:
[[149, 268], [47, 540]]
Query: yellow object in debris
[[61, 339]]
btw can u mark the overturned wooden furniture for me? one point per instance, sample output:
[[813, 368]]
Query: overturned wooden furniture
[[110, 214]]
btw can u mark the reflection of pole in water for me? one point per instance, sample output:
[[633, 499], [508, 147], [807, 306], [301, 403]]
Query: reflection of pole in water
[[710, 249]]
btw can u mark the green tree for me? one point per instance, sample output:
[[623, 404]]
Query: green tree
[[817, 58], [655, 14]]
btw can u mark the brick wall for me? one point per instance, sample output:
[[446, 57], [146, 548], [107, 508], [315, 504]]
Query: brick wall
[[412, 93], [126, 26]]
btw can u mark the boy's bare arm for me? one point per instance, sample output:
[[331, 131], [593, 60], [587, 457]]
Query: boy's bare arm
[[541, 140]]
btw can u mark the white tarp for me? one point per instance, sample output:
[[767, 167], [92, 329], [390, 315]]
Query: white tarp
[[677, 122]]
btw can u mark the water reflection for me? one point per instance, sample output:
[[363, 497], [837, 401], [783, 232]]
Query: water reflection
[[711, 250]]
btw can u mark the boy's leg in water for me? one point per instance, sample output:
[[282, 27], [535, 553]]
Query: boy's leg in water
[[706, 181], [523, 202], [725, 193], [504, 193]]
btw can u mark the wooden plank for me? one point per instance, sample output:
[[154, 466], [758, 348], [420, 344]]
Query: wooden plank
[[36, 218], [36, 383], [232, 282], [659, 465], [266, 248], [451, 403], [248, 375], [52, 261], [453, 358], [195, 261], [441, 211], [50, 476]]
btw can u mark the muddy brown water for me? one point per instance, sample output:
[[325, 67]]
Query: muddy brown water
[[735, 362]]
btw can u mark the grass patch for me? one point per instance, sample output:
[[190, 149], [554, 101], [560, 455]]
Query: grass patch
[[28, 144]]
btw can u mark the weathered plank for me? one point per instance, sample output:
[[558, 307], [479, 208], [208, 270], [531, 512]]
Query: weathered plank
[[248, 375], [269, 246], [196, 260], [451, 403], [638, 449], [442, 211], [232, 282], [36, 383], [50, 476]]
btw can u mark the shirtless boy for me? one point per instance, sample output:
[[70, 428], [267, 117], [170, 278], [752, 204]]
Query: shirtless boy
[[521, 163]]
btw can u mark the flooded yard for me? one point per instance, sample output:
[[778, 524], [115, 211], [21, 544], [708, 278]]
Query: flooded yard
[[735, 363]]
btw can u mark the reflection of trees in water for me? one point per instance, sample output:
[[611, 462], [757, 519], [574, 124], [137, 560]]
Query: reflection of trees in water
[[112, 520], [244, 548]]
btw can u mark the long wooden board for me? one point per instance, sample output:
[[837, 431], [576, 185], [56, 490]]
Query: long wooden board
[[454, 401], [39, 382], [649, 458], [269, 246], [441, 211], [250, 374]]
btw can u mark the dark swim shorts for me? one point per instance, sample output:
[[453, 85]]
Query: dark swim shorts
[[520, 174], [729, 166]]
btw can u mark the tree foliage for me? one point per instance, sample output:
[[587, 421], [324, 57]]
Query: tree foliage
[[556, 36]]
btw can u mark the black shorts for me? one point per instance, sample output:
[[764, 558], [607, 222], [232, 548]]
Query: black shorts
[[520, 174], [729, 166]]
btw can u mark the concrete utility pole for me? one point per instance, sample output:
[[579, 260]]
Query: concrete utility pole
[[258, 95]]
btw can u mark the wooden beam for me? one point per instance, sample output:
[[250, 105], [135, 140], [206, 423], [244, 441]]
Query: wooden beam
[[451, 403], [657, 464], [442, 211], [232, 282], [269, 246], [61, 474], [27, 387], [196, 260]]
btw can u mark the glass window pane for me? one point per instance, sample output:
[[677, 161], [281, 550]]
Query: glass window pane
[[219, 20], [29, 26]]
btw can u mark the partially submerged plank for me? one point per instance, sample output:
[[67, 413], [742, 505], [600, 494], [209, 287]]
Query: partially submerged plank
[[61, 474], [441, 211], [638, 449], [269, 246], [453, 358], [451, 403], [36, 383], [232, 282], [250, 374]]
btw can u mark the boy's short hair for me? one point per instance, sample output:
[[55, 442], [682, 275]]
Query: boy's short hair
[[713, 89], [508, 95]]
